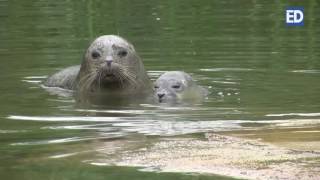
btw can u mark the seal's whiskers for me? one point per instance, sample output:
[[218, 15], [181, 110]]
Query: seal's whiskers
[[86, 82]]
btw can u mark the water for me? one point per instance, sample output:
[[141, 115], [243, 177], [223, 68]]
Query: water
[[261, 76]]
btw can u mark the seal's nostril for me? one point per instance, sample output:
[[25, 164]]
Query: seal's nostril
[[109, 60], [160, 95], [109, 63]]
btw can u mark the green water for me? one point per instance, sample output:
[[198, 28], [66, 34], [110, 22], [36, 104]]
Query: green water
[[256, 68]]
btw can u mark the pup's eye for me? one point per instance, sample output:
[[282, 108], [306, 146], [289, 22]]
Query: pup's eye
[[122, 53], [176, 86], [156, 87], [95, 54]]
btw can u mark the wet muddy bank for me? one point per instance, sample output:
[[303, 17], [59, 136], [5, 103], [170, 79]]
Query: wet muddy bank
[[222, 155]]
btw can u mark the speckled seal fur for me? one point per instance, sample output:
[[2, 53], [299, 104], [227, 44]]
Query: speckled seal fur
[[110, 64]]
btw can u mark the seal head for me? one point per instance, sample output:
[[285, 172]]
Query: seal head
[[176, 85], [111, 63]]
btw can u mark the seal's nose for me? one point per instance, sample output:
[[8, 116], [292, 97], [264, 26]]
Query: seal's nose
[[109, 60], [160, 95]]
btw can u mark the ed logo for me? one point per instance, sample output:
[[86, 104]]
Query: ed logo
[[294, 16]]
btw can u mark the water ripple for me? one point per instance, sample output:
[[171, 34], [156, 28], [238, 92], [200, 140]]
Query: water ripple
[[113, 111], [35, 77], [160, 124], [225, 82], [12, 131], [68, 140], [227, 69], [311, 71], [67, 119], [53, 141], [294, 114]]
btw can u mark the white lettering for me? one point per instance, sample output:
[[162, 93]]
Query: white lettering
[[296, 13], [290, 16]]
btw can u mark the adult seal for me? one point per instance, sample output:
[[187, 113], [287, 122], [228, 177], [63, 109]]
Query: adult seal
[[176, 86], [110, 64]]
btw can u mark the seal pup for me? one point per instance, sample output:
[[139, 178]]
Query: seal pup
[[110, 64], [177, 85]]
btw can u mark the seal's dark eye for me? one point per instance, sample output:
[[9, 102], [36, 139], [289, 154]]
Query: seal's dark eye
[[176, 86], [156, 87], [122, 53], [95, 54]]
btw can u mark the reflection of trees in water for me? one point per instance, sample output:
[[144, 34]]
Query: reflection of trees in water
[[248, 30]]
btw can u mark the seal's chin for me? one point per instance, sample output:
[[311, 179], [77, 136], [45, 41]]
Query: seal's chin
[[167, 100]]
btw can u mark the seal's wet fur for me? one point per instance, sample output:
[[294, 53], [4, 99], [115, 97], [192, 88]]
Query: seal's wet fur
[[177, 85], [110, 64]]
